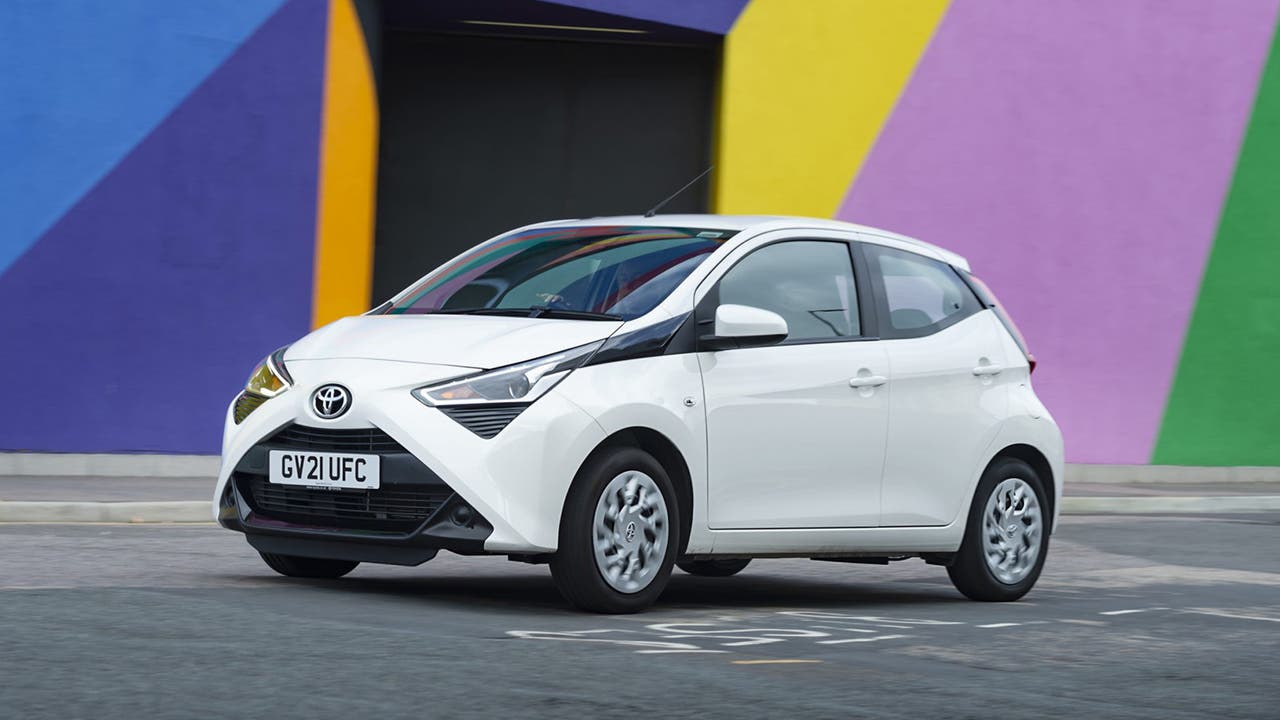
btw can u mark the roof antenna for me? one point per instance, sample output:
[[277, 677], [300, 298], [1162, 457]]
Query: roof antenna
[[654, 210]]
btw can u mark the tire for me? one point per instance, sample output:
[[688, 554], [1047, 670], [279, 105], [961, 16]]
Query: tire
[[1010, 535], [642, 552], [305, 567], [714, 568]]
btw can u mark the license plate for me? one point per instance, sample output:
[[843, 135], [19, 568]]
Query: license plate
[[321, 469]]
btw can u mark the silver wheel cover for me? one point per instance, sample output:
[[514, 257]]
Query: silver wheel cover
[[1011, 530], [630, 531]]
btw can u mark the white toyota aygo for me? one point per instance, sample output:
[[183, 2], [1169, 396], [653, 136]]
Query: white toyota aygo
[[617, 396]]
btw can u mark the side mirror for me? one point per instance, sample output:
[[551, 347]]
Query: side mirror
[[739, 326]]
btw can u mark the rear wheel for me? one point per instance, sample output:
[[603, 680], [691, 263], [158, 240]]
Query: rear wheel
[[618, 534], [305, 567], [1007, 536], [714, 568]]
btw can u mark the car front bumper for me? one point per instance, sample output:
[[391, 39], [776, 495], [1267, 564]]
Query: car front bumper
[[443, 486]]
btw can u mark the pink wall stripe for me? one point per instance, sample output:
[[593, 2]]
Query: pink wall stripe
[[1078, 152]]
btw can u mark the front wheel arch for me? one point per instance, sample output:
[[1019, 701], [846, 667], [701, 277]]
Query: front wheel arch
[[667, 455]]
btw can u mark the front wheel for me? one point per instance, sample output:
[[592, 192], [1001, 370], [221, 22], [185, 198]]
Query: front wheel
[[618, 534], [714, 568], [305, 567], [1007, 536]]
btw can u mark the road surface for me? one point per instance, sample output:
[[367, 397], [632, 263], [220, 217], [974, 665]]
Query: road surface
[[1151, 617]]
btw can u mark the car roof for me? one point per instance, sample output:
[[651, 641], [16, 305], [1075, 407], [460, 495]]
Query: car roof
[[763, 223]]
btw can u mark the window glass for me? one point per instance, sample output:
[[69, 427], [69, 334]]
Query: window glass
[[809, 283], [617, 271], [922, 294]]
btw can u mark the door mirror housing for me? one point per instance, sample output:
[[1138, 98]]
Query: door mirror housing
[[740, 326]]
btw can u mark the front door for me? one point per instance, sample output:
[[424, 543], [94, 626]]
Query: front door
[[795, 431]]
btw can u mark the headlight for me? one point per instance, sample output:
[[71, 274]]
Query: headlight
[[270, 378], [525, 382]]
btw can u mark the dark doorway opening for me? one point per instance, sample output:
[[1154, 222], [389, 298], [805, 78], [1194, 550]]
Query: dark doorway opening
[[483, 134]]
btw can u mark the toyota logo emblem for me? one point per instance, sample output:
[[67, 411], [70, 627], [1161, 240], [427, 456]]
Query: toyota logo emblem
[[330, 401]]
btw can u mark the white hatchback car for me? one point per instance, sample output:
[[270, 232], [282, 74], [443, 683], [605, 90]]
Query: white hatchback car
[[615, 396]]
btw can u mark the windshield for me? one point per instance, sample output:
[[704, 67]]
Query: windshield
[[598, 272]]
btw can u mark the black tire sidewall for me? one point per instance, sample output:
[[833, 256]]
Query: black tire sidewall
[[574, 564], [970, 573]]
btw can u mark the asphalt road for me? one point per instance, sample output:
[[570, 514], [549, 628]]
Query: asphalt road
[[1153, 617]]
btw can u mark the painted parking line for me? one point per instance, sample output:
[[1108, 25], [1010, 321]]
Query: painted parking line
[[822, 627], [1132, 611], [1232, 615], [861, 639], [775, 662]]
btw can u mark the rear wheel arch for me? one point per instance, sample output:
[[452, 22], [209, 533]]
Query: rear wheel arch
[[1038, 462], [669, 456]]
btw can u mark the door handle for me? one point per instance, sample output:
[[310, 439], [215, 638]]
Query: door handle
[[863, 381], [987, 370]]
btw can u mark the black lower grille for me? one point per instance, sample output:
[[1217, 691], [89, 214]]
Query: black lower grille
[[399, 509], [484, 420], [333, 440]]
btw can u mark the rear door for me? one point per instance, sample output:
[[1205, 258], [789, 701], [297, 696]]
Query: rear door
[[946, 391], [795, 431]]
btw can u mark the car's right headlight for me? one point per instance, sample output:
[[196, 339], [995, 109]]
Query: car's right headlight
[[269, 379]]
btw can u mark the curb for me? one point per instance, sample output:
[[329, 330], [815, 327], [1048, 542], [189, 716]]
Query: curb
[[199, 511], [1169, 504], [106, 512], [109, 465]]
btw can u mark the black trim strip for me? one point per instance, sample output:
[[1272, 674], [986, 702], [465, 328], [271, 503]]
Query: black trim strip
[[649, 341]]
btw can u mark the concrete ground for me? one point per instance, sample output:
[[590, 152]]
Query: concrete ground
[[1134, 617]]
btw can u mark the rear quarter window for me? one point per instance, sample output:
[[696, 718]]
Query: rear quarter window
[[919, 295]]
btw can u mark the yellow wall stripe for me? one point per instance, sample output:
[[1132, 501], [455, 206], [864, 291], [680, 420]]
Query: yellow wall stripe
[[348, 172], [805, 90]]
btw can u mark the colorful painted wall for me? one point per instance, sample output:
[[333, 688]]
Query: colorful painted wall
[[159, 173], [187, 186], [1110, 168]]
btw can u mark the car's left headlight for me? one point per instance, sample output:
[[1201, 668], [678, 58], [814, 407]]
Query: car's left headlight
[[522, 383]]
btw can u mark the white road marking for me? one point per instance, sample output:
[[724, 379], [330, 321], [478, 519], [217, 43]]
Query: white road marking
[[893, 622], [1000, 625], [739, 637], [649, 647], [1233, 616], [1131, 612], [861, 640]]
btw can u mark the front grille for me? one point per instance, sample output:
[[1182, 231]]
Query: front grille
[[387, 508], [332, 440], [245, 404], [485, 420]]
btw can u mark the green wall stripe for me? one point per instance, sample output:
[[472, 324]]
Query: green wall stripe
[[1224, 406]]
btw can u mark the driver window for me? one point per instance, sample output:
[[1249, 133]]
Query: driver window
[[808, 282]]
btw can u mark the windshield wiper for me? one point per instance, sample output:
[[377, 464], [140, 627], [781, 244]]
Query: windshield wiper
[[535, 311]]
